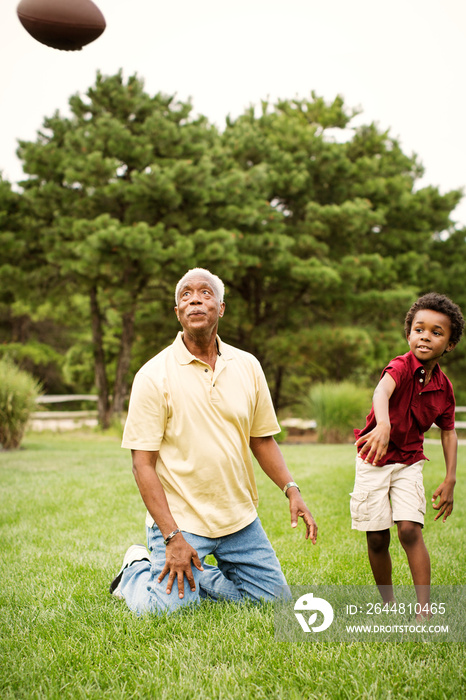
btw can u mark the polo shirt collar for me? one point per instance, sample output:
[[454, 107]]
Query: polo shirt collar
[[417, 367], [184, 357], [225, 350]]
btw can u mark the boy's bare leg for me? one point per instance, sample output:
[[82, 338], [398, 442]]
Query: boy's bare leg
[[381, 564], [412, 541]]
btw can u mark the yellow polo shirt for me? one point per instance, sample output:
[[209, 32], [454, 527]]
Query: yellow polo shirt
[[200, 422]]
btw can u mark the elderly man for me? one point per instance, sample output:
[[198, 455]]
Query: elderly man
[[197, 409]]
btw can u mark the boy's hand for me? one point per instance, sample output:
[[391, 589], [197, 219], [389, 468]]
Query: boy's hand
[[376, 444], [445, 504]]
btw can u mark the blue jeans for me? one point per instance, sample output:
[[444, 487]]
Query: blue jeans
[[247, 569]]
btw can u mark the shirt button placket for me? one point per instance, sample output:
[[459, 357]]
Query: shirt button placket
[[421, 379]]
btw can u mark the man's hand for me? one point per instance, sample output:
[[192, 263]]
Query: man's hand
[[445, 504], [271, 460], [298, 509], [179, 555], [376, 444]]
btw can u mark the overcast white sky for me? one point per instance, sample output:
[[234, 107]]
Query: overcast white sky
[[403, 62]]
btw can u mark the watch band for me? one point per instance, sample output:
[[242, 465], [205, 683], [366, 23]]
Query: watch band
[[171, 536], [289, 485]]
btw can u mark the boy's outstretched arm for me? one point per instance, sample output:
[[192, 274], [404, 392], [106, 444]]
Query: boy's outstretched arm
[[376, 441], [445, 491]]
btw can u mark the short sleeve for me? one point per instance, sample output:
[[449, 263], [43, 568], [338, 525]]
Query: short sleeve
[[265, 420], [446, 421], [397, 369], [147, 415]]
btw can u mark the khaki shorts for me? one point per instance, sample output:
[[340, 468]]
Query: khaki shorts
[[388, 494]]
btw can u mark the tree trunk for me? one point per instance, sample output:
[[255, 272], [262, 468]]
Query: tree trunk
[[103, 402], [20, 327], [124, 359], [277, 388]]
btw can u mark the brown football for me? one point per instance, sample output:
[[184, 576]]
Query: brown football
[[62, 24]]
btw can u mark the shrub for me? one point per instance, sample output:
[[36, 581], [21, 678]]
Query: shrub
[[337, 408], [18, 393], [282, 435]]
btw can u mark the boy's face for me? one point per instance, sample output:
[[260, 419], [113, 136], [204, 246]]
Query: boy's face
[[429, 337]]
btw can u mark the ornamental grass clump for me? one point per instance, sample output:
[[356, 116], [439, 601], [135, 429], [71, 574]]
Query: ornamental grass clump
[[337, 408], [18, 393]]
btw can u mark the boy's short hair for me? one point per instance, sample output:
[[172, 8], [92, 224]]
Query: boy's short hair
[[442, 304]]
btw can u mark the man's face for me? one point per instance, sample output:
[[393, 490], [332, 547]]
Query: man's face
[[198, 307], [430, 334]]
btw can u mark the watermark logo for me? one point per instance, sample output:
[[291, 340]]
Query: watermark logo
[[355, 613], [309, 604]]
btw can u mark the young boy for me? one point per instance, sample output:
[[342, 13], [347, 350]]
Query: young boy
[[412, 394]]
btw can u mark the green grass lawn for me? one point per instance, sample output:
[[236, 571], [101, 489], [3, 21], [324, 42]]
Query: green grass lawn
[[70, 508]]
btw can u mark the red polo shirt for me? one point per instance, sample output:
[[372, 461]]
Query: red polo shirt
[[413, 408]]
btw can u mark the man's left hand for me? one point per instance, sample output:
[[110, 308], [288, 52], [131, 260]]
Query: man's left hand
[[298, 509]]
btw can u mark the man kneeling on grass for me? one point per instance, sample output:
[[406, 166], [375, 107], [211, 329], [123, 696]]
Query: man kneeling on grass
[[196, 410]]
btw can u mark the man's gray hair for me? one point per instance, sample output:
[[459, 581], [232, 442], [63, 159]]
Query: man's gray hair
[[216, 282]]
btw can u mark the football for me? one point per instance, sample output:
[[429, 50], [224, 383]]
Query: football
[[67, 25]]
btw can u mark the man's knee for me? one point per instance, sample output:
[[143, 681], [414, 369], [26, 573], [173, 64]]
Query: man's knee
[[378, 541]]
